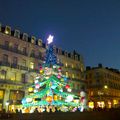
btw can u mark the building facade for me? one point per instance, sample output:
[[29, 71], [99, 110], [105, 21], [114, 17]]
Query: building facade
[[20, 58], [103, 85]]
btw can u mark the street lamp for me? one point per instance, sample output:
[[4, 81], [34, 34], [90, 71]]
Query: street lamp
[[105, 86], [7, 105]]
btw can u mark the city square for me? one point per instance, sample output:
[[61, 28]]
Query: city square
[[60, 68]]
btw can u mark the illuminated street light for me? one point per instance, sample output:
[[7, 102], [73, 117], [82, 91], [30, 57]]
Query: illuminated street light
[[105, 86]]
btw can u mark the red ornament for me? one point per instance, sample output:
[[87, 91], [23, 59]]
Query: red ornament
[[59, 69], [67, 86], [40, 67]]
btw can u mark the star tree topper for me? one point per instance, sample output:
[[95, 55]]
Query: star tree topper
[[50, 39]]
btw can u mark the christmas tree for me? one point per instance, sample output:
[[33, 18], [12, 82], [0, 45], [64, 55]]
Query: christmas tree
[[48, 91]]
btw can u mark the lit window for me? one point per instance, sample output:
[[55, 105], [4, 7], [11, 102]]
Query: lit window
[[66, 64], [31, 65], [8, 30], [3, 74], [66, 74], [1, 94], [13, 76], [72, 66], [33, 39], [39, 42], [73, 76]]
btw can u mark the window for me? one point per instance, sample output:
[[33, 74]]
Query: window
[[6, 44], [23, 78], [16, 95], [3, 74], [17, 34], [25, 36], [8, 30], [76, 57], [16, 47], [1, 94], [73, 76], [31, 65], [32, 53], [15, 60], [66, 65], [39, 42], [13, 76], [24, 50], [33, 39], [23, 62], [5, 58], [66, 74]]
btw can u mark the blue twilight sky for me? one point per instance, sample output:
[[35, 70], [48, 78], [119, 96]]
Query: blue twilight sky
[[91, 27]]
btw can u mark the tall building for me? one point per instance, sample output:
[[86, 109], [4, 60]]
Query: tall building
[[20, 58], [103, 86]]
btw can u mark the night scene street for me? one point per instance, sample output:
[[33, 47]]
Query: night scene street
[[59, 60]]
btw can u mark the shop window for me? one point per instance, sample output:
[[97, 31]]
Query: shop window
[[16, 95]]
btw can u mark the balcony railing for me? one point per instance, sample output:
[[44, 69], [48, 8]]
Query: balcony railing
[[8, 81], [3, 63], [37, 57], [13, 50]]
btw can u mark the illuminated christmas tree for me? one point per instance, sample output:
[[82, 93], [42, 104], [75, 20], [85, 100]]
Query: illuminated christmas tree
[[47, 92]]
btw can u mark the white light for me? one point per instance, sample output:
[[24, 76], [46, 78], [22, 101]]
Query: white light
[[69, 98], [50, 39], [7, 103], [69, 89]]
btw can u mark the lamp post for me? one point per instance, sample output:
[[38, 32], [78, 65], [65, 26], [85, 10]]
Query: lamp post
[[7, 105]]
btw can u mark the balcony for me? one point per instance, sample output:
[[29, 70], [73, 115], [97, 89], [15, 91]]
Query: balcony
[[8, 81], [37, 57], [23, 68], [13, 50], [3, 63]]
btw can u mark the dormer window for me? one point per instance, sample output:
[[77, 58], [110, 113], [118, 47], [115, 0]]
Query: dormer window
[[33, 39], [39, 42], [66, 54], [8, 30], [59, 51], [17, 34], [76, 57], [25, 36]]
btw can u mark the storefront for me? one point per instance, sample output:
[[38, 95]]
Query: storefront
[[15, 100], [1, 99]]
